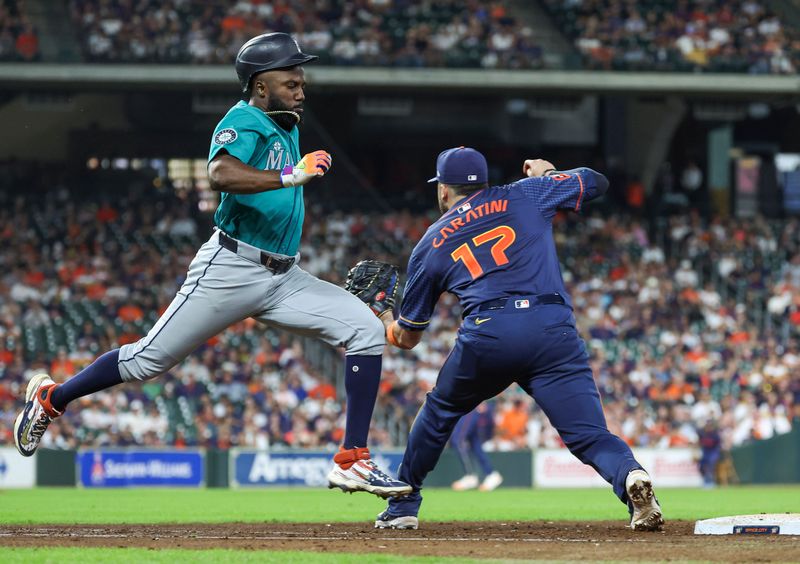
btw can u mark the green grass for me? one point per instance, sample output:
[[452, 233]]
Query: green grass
[[70, 505], [126, 555]]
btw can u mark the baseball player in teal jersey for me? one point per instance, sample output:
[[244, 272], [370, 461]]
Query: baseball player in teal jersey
[[248, 268]]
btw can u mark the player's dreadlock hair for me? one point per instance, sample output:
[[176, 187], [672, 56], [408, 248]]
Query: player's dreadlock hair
[[467, 189]]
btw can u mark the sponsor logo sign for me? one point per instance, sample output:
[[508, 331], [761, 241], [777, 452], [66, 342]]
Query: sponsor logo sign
[[130, 468], [292, 468], [16, 471], [558, 468]]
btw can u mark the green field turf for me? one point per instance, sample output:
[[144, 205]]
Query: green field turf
[[71, 505]]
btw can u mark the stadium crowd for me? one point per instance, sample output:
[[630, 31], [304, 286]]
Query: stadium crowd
[[691, 324], [687, 35], [404, 33], [18, 38]]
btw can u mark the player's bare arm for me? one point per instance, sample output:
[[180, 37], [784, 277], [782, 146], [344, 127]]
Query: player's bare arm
[[226, 173], [399, 337]]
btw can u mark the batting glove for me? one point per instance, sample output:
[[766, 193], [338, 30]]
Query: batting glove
[[310, 166]]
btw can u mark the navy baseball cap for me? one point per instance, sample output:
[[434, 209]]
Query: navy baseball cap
[[461, 165]]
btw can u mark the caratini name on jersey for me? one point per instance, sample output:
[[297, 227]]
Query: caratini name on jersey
[[495, 206]]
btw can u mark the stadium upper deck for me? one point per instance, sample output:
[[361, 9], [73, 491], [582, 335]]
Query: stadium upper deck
[[745, 36]]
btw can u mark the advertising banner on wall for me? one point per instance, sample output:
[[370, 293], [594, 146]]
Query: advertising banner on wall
[[16, 471], [558, 468], [292, 468], [131, 468]]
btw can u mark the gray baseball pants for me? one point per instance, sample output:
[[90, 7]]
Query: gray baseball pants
[[223, 287]]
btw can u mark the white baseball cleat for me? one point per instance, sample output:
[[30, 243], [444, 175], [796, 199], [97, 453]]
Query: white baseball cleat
[[388, 521], [355, 471], [491, 482], [646, 513], [37, 414], [468, 482]]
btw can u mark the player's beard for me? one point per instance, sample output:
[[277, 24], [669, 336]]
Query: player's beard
[[285, 121], [442, 206]]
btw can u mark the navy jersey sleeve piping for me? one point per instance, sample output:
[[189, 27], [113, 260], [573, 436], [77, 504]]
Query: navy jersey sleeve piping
[[567, 189]]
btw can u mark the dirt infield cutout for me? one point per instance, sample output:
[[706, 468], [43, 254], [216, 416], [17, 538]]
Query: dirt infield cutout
[[546, 540]]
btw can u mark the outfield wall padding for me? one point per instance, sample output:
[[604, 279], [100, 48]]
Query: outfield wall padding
[[771, 461], [516, 468], [55, 467], [217, 468]]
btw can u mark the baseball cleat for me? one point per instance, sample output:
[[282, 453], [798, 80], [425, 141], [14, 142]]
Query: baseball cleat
[[467, 482], [491, 482], [388, 521], [355, 471], [33, 420], [646, 513]]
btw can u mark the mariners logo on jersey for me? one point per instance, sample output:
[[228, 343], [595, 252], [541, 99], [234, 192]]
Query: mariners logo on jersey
[[225, 136], [278, 157], [270, 220]]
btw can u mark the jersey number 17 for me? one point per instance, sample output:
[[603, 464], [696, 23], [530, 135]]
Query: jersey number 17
[[504, 235]]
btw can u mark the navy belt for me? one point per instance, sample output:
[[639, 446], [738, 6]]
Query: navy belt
[[274, 264], [520, 302]]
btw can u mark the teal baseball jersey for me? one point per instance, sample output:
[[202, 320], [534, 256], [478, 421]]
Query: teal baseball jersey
[[271, 220]]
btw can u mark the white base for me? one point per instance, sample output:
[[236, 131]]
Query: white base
[[762, 524]]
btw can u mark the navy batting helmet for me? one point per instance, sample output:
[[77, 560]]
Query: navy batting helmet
[[269, 51]]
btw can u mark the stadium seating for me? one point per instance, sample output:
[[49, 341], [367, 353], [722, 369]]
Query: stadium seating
[[692, 35], [18, 38], [407, 33], [686, 323]]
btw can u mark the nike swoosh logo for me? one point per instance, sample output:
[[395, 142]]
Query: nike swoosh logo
[[478, 320]]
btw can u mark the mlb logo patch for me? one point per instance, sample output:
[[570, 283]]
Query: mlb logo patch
[[522, 304], [464, 208], [559, 176]]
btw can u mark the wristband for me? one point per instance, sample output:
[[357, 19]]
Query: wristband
[[390, 335], [287, 178]]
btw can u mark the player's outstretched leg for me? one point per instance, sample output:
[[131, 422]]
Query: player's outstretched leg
[[462, 384], [354, 470], [193, 317], [32, 421], [644, 508], [426, 441], [45, 400], [571, 402], [306, 305]]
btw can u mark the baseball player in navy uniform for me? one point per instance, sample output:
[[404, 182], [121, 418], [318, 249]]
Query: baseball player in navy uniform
[[493, 248], [469, 434], [248, 268]]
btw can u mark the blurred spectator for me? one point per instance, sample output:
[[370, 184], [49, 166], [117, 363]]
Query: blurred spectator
[[411, 33], [703, 327], [688, 35], [18, 38]]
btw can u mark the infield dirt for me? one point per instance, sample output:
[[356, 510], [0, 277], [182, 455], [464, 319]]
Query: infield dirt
[[544, 540]]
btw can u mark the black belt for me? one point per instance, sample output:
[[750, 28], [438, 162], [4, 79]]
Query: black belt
[[274, 264], [519, 301]]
